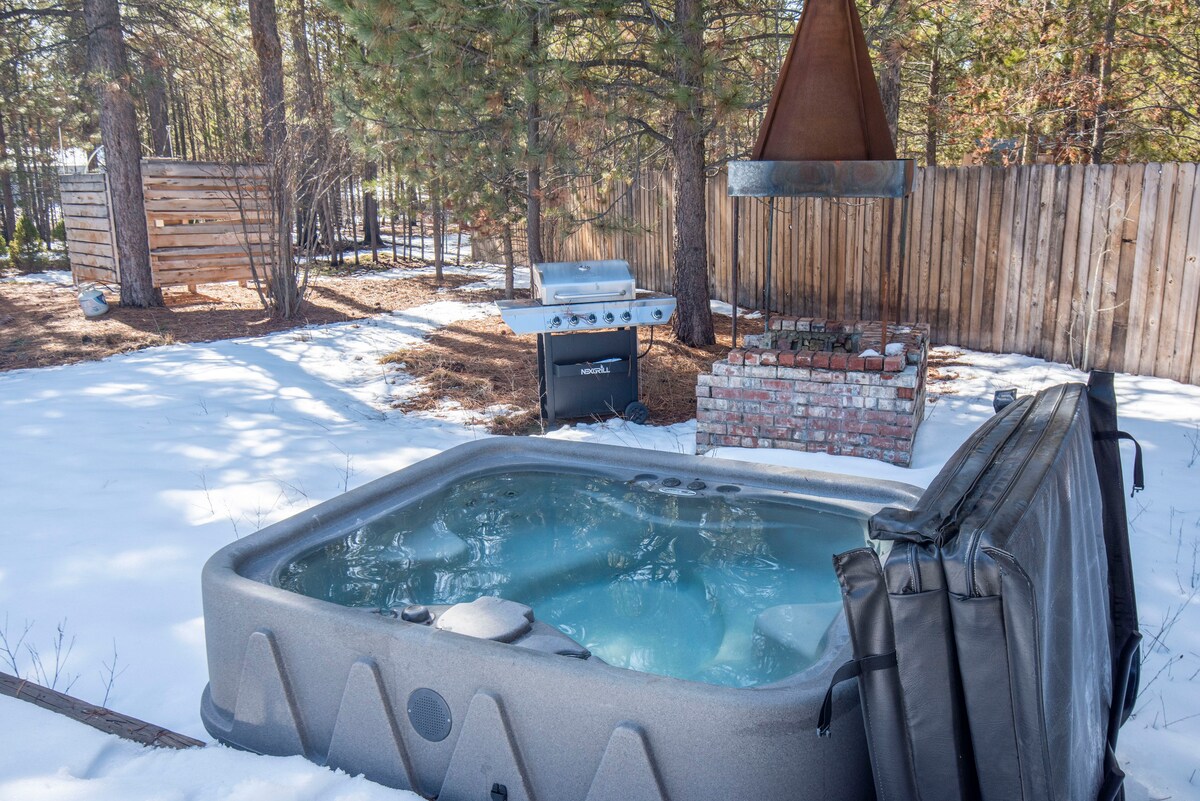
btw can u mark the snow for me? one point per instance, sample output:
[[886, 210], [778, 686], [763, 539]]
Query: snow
[[53, 277], [122, 477]]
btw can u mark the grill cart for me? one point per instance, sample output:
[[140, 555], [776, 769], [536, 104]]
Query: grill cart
[[586, 315]]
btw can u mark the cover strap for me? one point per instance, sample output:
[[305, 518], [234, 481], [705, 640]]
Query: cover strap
[[1139, 477], [850, 670]]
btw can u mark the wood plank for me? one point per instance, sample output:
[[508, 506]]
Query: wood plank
[[953, 308], [1118, 213], [1089, 203], [85, 198], [85, 272], [89, 249], [1037, 266], [1004, 253], [85, 223], [1123, 280], [81, 179], [205, 275], [92, 260], [1054, 262], [107, 721], [1093, 286], [1024, 236], [76, 210], [1185, 184], [1159, 248], [966, 259], [203, 206], [975, 334], [230, 193], [208, 217], [193, 169], [89, 237], [1140, 279]]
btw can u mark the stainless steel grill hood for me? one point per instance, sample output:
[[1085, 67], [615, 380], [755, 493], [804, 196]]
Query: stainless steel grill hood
[[582, 282]]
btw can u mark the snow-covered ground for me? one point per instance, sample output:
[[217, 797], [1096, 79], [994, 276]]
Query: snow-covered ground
[[119, 478]]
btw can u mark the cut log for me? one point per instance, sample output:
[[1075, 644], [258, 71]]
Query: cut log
[[97, 717]]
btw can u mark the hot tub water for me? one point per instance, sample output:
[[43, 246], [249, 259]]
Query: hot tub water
[[727, 587]]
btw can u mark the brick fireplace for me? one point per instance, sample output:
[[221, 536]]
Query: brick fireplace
[[819, 386]]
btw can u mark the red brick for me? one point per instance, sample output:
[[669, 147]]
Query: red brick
[[906, 393], [857, 363], [874, 363], [752, 356], [804, 359], [787, 358], [727, 440], [737, 356], [893, 364], [769, 357], [820, 360], [838, 361], [760, 419]]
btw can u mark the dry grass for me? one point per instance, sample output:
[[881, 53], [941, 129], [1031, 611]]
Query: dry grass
[[480, 364], [41, 324]]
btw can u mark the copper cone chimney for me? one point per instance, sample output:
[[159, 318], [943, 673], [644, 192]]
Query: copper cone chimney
[[825, 133], [826, 104]]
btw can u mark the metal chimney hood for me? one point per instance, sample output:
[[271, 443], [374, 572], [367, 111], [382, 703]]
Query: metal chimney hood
[[825, 133]]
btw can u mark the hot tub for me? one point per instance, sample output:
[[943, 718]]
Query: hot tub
[[596, 623]]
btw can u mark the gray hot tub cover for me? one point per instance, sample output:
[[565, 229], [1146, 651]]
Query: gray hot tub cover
[[994, 645]]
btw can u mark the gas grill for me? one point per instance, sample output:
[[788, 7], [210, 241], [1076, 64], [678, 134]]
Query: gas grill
[[586, 315]]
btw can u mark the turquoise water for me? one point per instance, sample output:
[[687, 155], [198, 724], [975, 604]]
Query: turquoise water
[[732, 588]]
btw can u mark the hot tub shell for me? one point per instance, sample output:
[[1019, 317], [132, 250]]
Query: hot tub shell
[[291, 674]]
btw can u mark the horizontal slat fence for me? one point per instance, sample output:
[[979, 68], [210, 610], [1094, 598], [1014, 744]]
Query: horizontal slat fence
[[204, 221], [1093, 265], [89, 226]]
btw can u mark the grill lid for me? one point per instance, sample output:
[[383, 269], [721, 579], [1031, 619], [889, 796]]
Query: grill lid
[[560, 282]]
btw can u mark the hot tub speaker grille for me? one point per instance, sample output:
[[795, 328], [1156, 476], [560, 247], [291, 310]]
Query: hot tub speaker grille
[[429, 714]]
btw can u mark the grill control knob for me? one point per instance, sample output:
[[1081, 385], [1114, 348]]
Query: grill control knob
[[573, 320], [626, 316], [656, 314], [608, 317], [591, 318], [555, 322]]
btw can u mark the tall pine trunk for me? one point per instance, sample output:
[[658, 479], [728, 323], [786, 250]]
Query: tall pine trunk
[[1104, 87], [693, 315], [509, 262], [371, 235], [122, 150], [8, 217], [932, 101], [533, 147], [439, 257], [155, 88], [264, 32]]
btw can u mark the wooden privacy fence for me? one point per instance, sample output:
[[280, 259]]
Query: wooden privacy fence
[[204, 222], [1094, 265]]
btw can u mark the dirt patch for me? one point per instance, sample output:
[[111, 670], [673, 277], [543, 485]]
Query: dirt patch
[[479, 364], [41, 324]]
